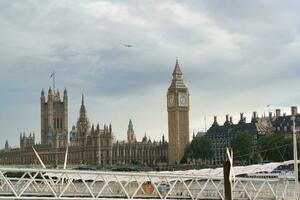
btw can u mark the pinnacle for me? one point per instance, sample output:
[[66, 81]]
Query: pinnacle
[[82, 99], [177, 68]]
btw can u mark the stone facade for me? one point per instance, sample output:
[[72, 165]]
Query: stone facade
[[222, 134], [87, 143], [54, 118], [92, 145], [178, 116]]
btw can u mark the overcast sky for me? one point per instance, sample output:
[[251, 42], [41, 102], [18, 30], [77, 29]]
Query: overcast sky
[[236, 56]]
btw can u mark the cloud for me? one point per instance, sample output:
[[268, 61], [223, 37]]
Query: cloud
[[236, 57]]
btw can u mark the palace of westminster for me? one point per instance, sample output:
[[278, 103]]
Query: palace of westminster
[[94, 145], [90, 144]]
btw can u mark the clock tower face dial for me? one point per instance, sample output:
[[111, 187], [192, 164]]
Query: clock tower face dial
[[171, 100], [183, 100]]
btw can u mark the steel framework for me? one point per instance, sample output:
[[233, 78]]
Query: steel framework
[[24, 183]]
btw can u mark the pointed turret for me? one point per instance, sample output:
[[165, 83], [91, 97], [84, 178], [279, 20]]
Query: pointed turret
[[65, 92], [83, 124], [50, 94], [43, 96], [82, 108], [177, 81], [98, 127], [57, 95], [130, 132], [6, 144], [92, 129], [130, 126], [145, 139], [42, 93], [177, 74], [110, 128]]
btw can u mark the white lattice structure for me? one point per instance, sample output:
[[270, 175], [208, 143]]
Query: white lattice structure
[[24, 183]]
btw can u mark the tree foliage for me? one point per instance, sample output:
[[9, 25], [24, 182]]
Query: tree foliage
[[276, 147], [200, 148], [242, 145], [256, 157]]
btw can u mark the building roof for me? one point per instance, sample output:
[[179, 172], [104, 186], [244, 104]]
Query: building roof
[[255, 126], [177, 81]]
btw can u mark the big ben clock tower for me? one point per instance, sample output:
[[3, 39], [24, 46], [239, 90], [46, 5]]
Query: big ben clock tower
[[178, 116]]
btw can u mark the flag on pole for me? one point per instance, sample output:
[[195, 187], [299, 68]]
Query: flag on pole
[[53, 73]]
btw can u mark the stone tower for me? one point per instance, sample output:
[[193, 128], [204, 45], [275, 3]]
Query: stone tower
[[178, 116], [130, 133], [54, 115], [83, 125]]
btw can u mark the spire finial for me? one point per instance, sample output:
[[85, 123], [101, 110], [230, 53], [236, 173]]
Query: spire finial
[[65, 92], [177, 74], [82, 99]]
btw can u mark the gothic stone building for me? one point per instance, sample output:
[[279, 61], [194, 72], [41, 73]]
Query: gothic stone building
[[89, 144], [178, 116], [221, 135]]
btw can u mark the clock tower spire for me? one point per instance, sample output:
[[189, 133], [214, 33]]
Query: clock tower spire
[[178, 116]]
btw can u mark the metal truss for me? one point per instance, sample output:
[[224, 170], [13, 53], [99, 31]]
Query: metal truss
[[16, 183]]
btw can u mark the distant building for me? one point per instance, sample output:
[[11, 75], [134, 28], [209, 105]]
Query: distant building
[[178, 116], [6, 145], [221, 135], [89, 144], [54, 118], [284, 123]]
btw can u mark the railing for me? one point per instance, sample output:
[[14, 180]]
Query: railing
[[23, 183]]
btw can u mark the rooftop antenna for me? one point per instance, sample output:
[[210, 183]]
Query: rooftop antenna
[[37, 155]]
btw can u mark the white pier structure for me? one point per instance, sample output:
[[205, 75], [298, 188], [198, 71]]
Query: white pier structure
[[39, 183]]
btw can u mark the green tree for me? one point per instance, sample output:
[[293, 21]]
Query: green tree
[[256, 157], [242, 144], [276, 147], [200, 148]]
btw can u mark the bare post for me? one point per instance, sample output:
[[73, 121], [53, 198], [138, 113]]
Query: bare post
[[227, 171]]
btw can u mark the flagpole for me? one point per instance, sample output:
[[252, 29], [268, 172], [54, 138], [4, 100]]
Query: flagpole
[[53, 80]]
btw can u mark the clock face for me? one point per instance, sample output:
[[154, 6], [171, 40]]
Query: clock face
[[171, 100], [183, 100]]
